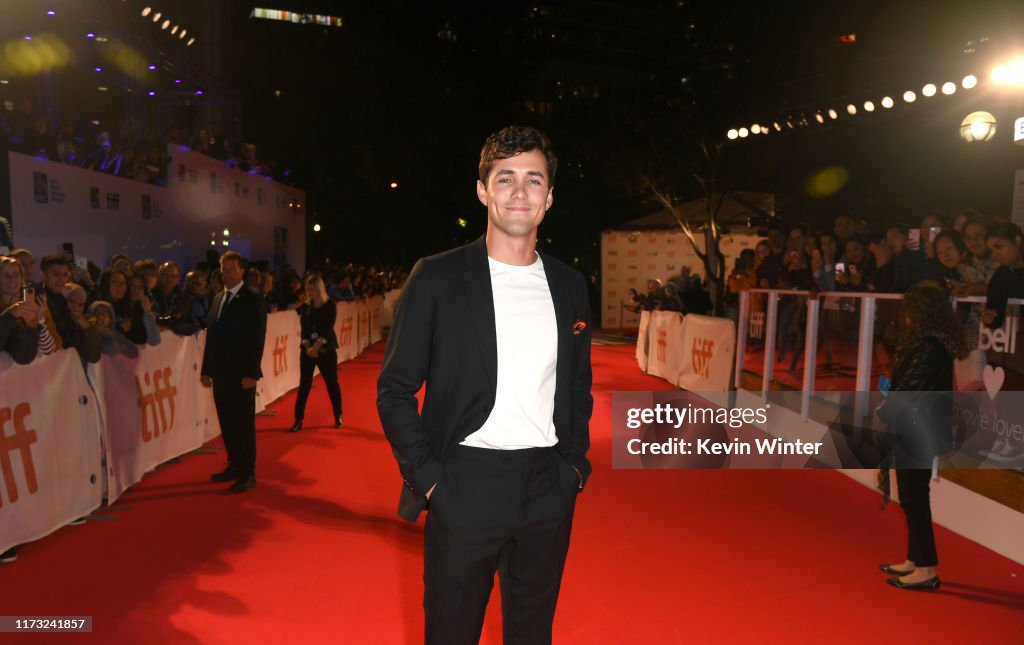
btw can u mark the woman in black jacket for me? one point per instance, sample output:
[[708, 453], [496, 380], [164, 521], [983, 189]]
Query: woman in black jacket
[[319, 349], [918, 414]]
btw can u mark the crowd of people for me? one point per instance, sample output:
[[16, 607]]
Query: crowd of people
[[970, 254], [113, 310], [121, 152], [684, 292]]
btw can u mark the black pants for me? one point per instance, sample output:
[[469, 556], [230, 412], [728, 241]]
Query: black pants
[[236, 411], [497, 510], [327, 361], [914, 486]]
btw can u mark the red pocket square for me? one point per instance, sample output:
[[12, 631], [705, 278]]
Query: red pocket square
[[578, 327]]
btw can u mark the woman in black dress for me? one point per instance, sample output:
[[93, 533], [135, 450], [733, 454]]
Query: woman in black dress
[[319, 349], [918, 413]]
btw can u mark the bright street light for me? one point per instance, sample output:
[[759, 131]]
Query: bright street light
[[1010, 74]]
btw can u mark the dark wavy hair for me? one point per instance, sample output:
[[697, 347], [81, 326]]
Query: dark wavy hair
[[512, 140], [121, 307], [927, 308]]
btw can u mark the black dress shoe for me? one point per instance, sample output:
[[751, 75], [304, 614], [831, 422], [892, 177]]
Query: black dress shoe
[[337, 421], [296, 426], [228, 474], [929, 584], [894, 572], [243, 484]]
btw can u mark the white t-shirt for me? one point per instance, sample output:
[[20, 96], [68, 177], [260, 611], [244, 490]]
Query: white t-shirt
[[524, 317]]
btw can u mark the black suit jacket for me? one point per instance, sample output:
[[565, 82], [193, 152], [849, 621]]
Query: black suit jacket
[[234, 344], [443, 333]]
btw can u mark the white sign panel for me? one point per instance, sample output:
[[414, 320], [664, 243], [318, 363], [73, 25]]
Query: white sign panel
[[643, 340], [280, 364], [708, 345], [154, 408], [49, 454], [345, 330], [665, 348]]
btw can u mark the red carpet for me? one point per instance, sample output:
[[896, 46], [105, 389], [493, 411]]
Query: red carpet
[[840, 376], [316, 554]]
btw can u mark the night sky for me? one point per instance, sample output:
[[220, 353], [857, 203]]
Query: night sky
[[629, 92]]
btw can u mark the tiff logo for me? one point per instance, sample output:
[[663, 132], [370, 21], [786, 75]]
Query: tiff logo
[[280, 355], [151, 404], [662, 344], [21, 442], [113, 201], [346, 332], [703, 350]]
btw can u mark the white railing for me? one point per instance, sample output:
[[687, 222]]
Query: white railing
[[865, 344]]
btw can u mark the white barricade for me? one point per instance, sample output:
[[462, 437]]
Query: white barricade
[[154, 408], [50, 451], [280, 364], [345, 330], [710, 344], [210, 430], [376, 310], [665, 353], [643, 340], [363, 318], [693, 352]]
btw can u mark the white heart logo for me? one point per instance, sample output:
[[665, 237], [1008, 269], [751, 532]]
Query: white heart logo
[[994, 377]]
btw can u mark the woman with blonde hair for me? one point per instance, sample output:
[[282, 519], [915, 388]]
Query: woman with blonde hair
[[918, 413], [319, 349]]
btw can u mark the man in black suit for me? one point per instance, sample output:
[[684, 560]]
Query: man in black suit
[[500, 335], [236, 328]]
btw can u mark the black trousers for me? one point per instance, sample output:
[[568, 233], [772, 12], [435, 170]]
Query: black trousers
[[497, 510], [328, 363], [236, 411], [914, 486]]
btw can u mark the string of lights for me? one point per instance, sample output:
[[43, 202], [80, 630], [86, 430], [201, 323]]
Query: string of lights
[[175, 30], [1009, 74]]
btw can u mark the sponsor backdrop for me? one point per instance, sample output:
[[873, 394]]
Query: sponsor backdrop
[[101, 215], [629, 259], [131, 413]]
